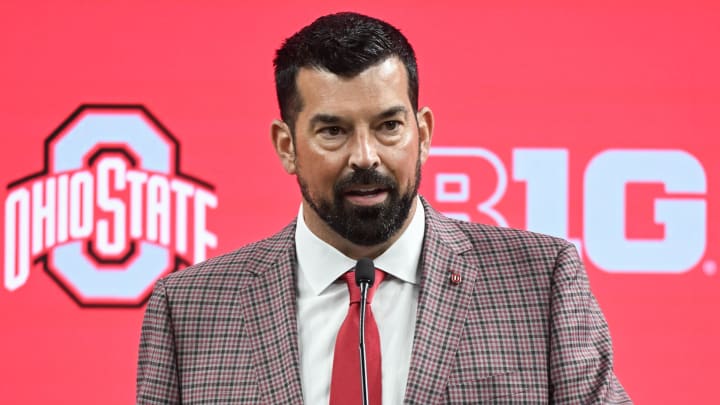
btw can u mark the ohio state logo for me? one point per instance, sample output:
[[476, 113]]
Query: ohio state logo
[[111, 211]]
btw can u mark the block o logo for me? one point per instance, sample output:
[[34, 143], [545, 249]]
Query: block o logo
[[110, 212]]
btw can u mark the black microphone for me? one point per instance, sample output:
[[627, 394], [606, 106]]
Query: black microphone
[[364, 278]]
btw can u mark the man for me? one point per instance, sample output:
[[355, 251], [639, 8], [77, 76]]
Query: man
[[466, 313]]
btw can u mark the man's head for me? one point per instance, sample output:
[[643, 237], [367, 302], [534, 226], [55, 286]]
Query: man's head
[[344, 44], [351, 130]]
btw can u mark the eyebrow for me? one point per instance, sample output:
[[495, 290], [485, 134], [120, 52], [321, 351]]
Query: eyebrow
[[393, 111], [329, 119], [326, 119]]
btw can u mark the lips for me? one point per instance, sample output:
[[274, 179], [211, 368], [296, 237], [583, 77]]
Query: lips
[[365, 190], [365, 187], [366, 195]]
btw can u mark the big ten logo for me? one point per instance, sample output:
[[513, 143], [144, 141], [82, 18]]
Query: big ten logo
[[629, 210], [111, 212]]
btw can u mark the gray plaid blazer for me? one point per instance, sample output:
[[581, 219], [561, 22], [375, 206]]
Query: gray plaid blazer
[[520, 327]]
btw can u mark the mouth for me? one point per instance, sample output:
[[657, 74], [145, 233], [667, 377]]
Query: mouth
[[366, 194]]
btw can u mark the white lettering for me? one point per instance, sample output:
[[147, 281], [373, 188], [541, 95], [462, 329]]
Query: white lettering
[[136, 180], [158, 210], [443, 180], [43, 214], [57, 209], [183, 191], [81, 205], [684, 219], [62, 209], [202, 237], [486, 207], [546, 176], [118, 243], [17, 251]]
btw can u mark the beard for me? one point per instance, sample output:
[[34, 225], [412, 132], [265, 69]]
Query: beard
[[365, 225]]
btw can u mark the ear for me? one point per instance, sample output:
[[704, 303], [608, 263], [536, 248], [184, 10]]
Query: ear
[[284, 146], [426, 121]]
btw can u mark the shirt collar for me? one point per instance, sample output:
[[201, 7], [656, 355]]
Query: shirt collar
[[320, 264]]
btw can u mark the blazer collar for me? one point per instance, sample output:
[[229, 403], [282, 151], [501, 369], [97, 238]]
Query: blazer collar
[[270, 314], [446, 288], [444, 230]]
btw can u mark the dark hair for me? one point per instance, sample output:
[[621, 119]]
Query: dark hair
[[344, 44]]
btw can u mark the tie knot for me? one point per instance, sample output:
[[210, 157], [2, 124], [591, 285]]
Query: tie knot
[[354, 289]]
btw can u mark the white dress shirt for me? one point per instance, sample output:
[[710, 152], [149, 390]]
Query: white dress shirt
[[322, 304]]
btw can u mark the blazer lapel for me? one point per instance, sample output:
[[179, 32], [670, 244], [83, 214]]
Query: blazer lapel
[[269, 309], [442, 307]]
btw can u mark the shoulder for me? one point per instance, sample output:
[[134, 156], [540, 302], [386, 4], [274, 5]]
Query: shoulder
[[483, 234], [509, 238], [237, 264], [501, 244], [501, 253]]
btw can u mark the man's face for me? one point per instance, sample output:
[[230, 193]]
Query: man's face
[[358, 149]]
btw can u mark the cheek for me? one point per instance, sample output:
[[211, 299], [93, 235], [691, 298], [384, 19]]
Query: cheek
[[319, 173], [403, 162]]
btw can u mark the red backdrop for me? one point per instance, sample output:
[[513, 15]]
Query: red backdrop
[[597, 123]]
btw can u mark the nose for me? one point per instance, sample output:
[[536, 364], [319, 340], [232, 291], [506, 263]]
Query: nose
[[363, 151]]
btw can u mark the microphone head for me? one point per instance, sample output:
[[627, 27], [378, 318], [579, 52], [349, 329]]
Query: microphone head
[[365, 271]]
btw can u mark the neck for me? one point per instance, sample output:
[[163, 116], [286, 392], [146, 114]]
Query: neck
[[354, 251]]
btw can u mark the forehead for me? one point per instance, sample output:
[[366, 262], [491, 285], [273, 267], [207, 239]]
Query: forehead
[[379, 87]]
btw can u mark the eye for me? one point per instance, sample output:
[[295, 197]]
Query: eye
[[391, 126], [331, 131]]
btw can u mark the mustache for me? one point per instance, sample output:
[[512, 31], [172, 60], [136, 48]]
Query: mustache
[[361, 177]]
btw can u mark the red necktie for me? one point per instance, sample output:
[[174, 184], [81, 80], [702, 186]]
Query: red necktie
[[346, 387]]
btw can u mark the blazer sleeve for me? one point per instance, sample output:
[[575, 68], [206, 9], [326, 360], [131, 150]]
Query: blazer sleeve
[[157, 372], [581, 358]]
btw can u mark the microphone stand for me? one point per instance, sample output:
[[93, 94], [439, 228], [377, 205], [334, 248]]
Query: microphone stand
[[363, 361], [364, 277]]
